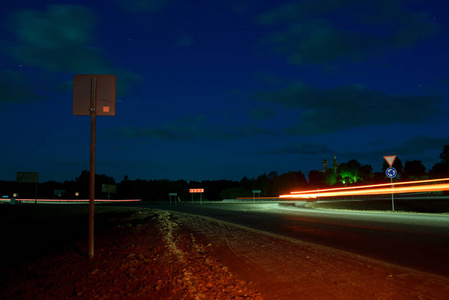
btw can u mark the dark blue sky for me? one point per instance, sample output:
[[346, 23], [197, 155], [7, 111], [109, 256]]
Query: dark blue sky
[[223, 89]]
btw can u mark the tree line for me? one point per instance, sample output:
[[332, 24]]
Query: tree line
[[269, 185]]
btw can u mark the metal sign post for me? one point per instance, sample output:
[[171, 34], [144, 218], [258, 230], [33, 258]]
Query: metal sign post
[[93, 123], [172, 194], [254, 193], [93, 95], [391, 173], [29, 177]]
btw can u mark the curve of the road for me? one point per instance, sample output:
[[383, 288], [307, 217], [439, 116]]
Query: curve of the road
[[418, 241]]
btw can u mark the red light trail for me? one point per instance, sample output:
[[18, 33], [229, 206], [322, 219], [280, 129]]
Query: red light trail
[[75, 201], [374, 189]]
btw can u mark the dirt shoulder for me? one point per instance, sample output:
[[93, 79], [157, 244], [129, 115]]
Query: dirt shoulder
[[139, 254]]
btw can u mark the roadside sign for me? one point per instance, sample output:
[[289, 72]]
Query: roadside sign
[[256, 192], [390, 159], [93, 95], [109, 188], [391, 172], [28, 177], [172, 195], [103, 86], [197, 191]]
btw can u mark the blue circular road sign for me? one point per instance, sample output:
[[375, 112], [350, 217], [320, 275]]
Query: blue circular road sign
[[391, 172]]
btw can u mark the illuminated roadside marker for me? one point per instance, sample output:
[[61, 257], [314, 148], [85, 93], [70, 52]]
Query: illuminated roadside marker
[[197, 191]]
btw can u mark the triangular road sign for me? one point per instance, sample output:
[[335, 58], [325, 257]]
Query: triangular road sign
[[390, 159]]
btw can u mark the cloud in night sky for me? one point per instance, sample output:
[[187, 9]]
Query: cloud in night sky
[[423, 148], [139, 132], [305, 32], [262, 113], [15, 87], [413, 148], [185, 41], [329, 110], [418, 145], [60, 39], [144, 6], [186, 129], [302, 148]]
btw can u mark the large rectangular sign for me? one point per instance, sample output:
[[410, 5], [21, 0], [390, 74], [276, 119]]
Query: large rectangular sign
[[83, 91], [196, 190], [28, 177]]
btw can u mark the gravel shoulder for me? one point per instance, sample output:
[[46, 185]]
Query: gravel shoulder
[[285, 268], [154, 254]]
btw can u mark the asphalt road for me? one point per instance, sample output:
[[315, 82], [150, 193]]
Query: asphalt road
[[418, 241]]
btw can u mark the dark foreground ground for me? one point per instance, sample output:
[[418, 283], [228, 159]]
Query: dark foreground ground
[[139, 254], [152, 254]]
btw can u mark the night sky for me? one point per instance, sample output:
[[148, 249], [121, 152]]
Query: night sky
[[222, 89]]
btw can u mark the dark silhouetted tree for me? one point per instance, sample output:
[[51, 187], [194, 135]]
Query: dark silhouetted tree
[[235, 192], [285, 183], [444, 156], [330, 177], [414, 169], [83, 184], [263, 184], [366, 173], [246, 183], [316, 178], [441, 169]]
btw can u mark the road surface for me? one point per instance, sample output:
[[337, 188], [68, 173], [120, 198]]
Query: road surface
[[417, 241]]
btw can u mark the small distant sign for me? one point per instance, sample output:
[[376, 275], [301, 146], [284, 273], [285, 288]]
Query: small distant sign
[[173, 194], [59, 193], [390, 159], [109, 188], [196, 191], [27, 177]]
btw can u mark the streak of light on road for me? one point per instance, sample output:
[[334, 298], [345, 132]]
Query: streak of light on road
[[431, 185]]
